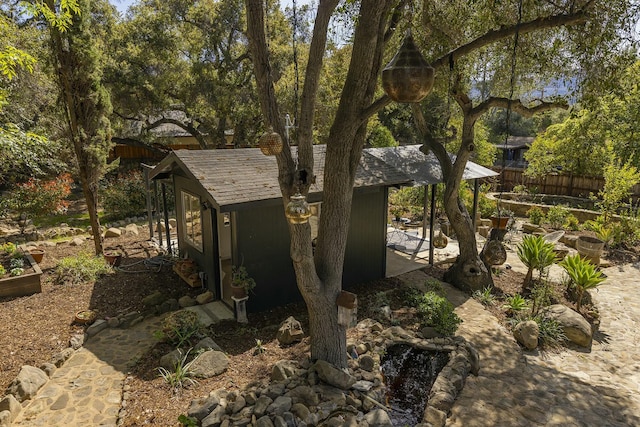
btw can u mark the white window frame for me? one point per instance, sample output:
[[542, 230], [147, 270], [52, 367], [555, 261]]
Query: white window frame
[[190, 229]]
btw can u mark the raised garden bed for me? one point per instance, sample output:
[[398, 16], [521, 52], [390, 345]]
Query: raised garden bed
[[25, 284]]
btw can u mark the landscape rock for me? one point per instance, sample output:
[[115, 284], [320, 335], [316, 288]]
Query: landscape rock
[[290, 331], [304, 394], [48, 368], [378, 418], [132, 229], [574, 326], [281, 405], [153, 299], [333, 376], [187, 301], [58, 359], [171, 359], [527, 333], [261, 405], [76, 341], [283, 369], [209, 364], [366, 362], [5, 419], [97, 326], [113, 322], [214, 418], [77, 241], [29, 380], [204, 298], [200, 408], [11, 404], [112, 232], [206, 343]]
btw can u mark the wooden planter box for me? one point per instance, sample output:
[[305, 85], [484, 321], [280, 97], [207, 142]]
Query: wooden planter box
[[26, 284]]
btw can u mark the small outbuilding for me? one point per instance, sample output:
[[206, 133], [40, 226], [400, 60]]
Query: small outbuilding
[[229, 211]]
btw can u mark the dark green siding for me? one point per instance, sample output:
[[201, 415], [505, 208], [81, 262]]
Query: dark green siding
[[365, 254], [262, 246]]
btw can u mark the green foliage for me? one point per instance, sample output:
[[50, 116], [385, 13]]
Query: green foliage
[[619, 179], [2, 271], [240, 277], [583, 275], [541, 295], [259, 348], [380, 136], [80, 268], [571, 222], [485, 296], [124, 195], [179, 327], [16, 263], [181, 376], [551, 334], [557, 215], [10, 249], [436, 311], [187, 421], [536, 215], [37, 198], [536, 254], [17, 271], [515, 304]]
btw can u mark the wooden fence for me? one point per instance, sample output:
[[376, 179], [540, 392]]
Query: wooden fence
[[563, 185], [126, 152]]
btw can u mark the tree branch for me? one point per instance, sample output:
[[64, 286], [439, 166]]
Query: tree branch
[[515, 105], [504, 32], [429, 141]]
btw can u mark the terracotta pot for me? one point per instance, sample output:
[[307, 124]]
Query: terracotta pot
[[37, 255], [112, 258], [85, 317], [238, 292], [499, 222]]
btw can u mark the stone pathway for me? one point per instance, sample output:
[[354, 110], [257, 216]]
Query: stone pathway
[[575, 387], [88, 389]]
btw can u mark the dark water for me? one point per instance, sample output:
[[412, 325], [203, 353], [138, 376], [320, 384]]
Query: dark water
[[409, 375]]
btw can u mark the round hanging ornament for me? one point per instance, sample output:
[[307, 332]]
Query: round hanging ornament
[[440, 240], [408, 77], [270, 143], [297, 210]]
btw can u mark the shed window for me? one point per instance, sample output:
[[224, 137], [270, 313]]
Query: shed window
[[192, 220]]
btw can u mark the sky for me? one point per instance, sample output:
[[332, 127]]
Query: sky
[[123, 5]]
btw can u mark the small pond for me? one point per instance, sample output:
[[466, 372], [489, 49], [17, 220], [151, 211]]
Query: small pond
[[409, 374]]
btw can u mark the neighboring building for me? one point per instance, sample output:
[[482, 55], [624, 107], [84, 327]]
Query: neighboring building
[[512, 152], [230, 212]]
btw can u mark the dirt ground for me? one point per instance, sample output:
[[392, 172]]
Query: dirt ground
[[35, 327]]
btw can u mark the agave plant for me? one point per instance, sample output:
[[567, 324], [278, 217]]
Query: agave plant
[[537, 254], [583, 275]]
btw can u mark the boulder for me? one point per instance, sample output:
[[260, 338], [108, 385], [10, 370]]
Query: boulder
[[206, 343], [112, 232], [527, 333], [279, 406], [290, 331], [187, 301], [58, 359], [204, 298], [132, 229], [283, 369], [209, 364], [171, 359], [153, 299], [304, 394], [261, 405], [11, 404], [96, 327], [333, 376], [574, 326], [29, 380], [366, 362], [378, 418], [76, 241]]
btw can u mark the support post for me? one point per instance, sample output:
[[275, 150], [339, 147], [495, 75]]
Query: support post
[[147, 188], [424, 211], [159, 224], [432, 216], [476, 192], [166, 218]]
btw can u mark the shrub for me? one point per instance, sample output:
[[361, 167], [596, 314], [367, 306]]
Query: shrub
[[551, 334], [83, 267], [536, 254], [485, 297], [37, 198], [515, 304], [536, 215], [179, 327], [124, 196], [436, 311], [541, 295], [571, 223], [2, 271], [556, 216], [583, 275], [181, 375]]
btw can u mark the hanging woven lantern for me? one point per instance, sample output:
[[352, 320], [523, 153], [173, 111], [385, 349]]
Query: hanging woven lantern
[[440, 241], [297, 210], [270, 143], [408, 77]]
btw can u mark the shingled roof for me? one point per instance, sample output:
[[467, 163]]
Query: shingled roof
[[236, 177], [233, 178]]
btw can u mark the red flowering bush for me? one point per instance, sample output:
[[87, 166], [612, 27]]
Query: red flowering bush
[[38, 197]]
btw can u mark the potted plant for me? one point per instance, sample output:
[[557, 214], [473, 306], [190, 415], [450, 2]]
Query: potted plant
[[241, 282], [500, 218], [113, 257], [37, 254]]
